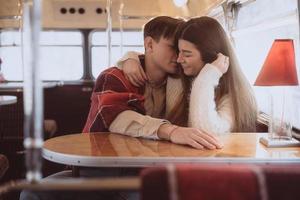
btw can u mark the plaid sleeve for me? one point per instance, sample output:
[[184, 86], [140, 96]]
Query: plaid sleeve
[[112, 95]]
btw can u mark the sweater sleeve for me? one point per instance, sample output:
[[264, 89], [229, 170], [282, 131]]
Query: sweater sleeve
[[136, 125], [203, 113], [128, 55]]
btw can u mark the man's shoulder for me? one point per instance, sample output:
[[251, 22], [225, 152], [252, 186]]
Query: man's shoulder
[[112, 78], [112, 71]]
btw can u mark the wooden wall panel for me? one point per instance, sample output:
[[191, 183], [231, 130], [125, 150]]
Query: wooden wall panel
[[54, 18], [9, 9]]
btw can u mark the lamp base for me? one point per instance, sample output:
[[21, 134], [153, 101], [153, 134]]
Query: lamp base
[[279, 142]]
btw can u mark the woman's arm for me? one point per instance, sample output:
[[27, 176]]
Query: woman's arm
[[204, 113], [131, 66]]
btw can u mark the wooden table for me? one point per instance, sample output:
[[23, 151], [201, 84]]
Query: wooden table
[[109, 149], [18, 86], [7, 100]]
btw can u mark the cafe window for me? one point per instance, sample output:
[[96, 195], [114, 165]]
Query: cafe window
[[61, 55], [132, 41]]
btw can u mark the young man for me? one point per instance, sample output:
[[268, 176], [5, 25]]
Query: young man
[[120, 107]]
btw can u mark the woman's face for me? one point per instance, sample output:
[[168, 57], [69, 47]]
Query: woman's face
[[190, 58]]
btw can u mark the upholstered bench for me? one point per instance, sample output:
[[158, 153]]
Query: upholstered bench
[[3, 165], [222, 181]]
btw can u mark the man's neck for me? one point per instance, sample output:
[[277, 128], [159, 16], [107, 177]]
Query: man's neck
[[155, 74]]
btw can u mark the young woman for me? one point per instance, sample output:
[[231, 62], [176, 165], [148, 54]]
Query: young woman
[[220, 98]]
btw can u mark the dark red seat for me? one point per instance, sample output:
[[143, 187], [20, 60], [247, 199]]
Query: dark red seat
[[3, 165], [221, 181]]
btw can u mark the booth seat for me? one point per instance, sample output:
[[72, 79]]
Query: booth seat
[[221, 181], [3, 165]]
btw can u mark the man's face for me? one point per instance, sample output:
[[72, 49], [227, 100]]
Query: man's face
[[164, 55]]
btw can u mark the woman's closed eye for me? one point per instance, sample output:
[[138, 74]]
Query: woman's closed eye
[[187, 55]]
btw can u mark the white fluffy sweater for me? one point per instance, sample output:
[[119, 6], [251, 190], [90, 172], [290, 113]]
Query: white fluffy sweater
[[203, 112]]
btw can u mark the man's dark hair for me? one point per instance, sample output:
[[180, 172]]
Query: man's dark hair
[[161, 27]]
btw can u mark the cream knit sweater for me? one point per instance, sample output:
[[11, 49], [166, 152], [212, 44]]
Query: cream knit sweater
[[137, 125], [174, 86]]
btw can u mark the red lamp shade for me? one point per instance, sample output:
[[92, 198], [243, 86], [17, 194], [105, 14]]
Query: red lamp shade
[[279, 67]]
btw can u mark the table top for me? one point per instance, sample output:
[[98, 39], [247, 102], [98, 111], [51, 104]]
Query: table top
[[19, 85], [7, 100], [109, 149]]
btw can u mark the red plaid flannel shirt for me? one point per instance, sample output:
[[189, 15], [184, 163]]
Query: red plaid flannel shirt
[[112, 94]]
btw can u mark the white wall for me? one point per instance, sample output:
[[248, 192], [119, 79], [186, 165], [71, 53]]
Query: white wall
[[259, 23]]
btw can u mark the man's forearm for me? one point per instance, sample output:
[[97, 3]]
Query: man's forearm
[[137, 125]]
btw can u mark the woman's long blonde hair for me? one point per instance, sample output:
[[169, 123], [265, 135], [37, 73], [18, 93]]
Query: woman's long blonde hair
[[210, 39]]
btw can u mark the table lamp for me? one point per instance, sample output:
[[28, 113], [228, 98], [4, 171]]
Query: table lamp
[[279, 69]]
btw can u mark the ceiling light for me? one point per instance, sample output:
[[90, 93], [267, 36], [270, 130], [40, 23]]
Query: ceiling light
[[180, 3]]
